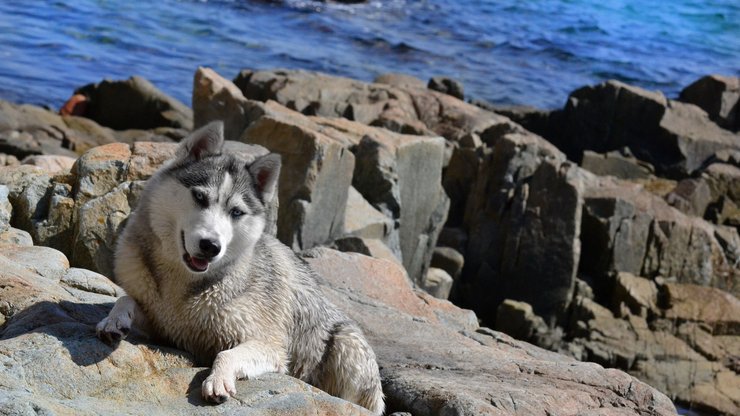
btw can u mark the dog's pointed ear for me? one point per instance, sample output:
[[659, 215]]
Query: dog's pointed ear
[[266, 170], [207, 140]]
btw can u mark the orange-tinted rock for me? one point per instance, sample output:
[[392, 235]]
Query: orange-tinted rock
[[76, 105]]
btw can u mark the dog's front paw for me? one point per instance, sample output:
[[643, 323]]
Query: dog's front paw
[[218, 387], [112, 329]]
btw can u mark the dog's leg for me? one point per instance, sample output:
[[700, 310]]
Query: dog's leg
[[118, 323], [246, 360], [350, 371]]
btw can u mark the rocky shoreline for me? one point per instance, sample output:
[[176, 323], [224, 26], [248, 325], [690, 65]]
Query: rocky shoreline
[[606, 231]]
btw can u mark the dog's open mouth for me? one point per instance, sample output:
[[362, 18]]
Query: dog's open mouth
[[195, 264]]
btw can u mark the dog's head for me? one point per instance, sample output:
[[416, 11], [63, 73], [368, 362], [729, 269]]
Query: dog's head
[[211, 207]]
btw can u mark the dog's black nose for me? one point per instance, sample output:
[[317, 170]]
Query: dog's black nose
[[210, 248]]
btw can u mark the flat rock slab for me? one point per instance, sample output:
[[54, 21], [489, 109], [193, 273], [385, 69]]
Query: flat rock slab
[[431, 367]]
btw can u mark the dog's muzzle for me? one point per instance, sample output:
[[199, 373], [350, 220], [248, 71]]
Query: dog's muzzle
[[196, 263]]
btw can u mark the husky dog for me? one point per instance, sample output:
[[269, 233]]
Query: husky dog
[[199, 270]]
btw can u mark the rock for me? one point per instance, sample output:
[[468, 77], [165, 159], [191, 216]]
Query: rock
[[729, 156], [368, 246], [315, 176], [8, 160], [449, 260], [100, 222], [458, 180], [404, 109], [100, 170], [27, 186], [453, 237], [718, 309], [615, 164], [27, 130], [703, 385], [729, 239], [399, 175], [76, 105], [399, 80], [518, 320], [538, 121], [724, 182], [14, 236], [583, 289], [622, 343], [362, 220], [159, 134], [524, 216], [430, 366], [675, 137], [134, 104], [216, 98], [691, 196], [447, 86], [6, 209], [437, 283], [714, 195], [640, 295], [628, 229], [678, 355], [718, 96], [52, 164]]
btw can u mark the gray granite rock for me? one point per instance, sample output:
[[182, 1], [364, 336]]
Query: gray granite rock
[[719, 96]]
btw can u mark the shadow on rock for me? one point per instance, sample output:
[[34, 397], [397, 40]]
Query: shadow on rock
[[195, 394], [72, 324]]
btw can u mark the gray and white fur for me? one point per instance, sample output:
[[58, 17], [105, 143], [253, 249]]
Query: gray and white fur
[[199, 270]]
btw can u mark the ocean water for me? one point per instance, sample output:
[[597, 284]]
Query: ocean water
[[508, 52]]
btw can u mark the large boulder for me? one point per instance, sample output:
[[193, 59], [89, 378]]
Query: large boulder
[[620, 164], [134, 103], [447, 86], [524, 219], [671, 349], [675, 137], [361, 219], [52, 164], [216, 98], [435, 363], [6, 209], [719, 96], [27, 130], [718, 310], [402, 107], [625, 228], [398, 175], [713, 195], [315, 176]]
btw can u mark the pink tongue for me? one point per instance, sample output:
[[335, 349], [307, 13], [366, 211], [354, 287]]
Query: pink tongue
[[199, 264]]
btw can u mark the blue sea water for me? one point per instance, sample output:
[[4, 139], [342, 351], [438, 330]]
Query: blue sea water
[[531, 52]]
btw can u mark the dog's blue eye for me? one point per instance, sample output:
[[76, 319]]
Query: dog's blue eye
[[198, 195], [236, 212]]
